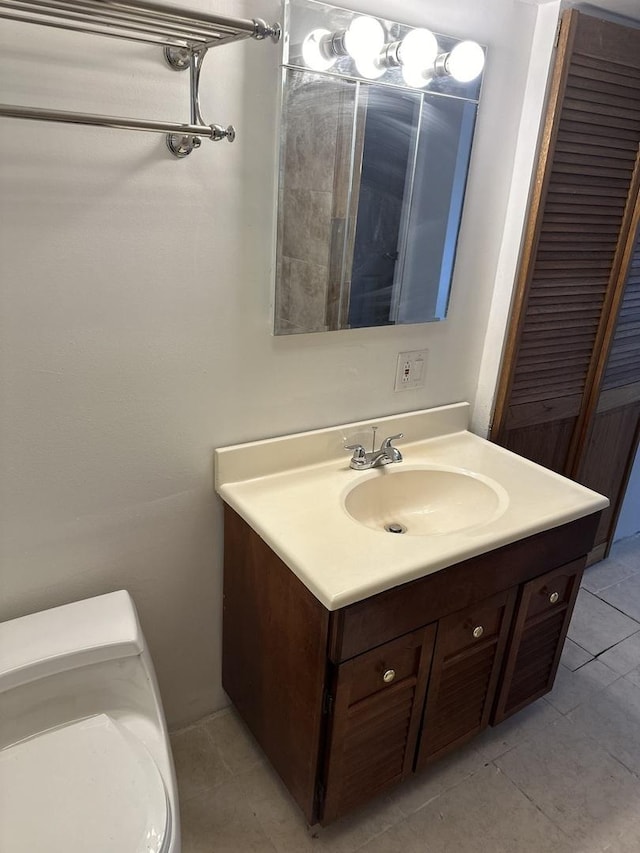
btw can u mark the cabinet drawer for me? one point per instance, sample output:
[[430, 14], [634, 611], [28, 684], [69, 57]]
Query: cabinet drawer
[[470, 627], [381, 668], [550, 592]]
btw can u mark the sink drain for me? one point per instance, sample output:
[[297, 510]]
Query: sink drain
[[395, 527]]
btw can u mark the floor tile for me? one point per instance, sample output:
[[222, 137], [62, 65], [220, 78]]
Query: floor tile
[[625, 596], [604, 574], [398, 839], [612, 718], [499, 739], [486, 812], [284, 824], [576, 784], [572, 689], [597, 626], [221, 821], [235, 743], [624, 656], [574, 656], [199, 765], [437, 778], [627, 551], [634, 676]]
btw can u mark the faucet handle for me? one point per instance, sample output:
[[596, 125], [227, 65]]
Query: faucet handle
[[392, 452], [359, 457], [358, 449], [386, 444]]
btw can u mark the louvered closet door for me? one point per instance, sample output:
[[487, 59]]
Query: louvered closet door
[[373, 729], [615, 425], [572, 247]]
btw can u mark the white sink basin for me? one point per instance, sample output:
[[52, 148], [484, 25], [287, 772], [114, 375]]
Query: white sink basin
[[424, 501]]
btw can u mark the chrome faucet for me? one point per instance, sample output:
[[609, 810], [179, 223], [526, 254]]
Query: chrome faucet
[[362, 460]]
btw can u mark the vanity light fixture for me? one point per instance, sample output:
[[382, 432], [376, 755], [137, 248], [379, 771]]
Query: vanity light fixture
[[418, 54]]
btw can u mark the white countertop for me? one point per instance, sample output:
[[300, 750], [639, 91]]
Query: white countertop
[[291, 491]]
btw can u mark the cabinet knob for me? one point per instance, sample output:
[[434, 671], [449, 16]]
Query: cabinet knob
[[478, 632], [554, 597], [388, 676]]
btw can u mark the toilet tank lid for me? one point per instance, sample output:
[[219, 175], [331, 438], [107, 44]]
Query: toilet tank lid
[[85, 632]]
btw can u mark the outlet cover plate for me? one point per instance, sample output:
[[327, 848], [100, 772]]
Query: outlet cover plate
[[411, 370]]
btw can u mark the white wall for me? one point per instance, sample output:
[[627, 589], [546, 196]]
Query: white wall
[[135, 322]]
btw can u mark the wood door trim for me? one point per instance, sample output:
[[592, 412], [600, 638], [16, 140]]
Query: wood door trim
[[537, 197]]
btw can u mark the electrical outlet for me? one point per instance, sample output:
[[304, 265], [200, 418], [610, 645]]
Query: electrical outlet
[[411, 370]]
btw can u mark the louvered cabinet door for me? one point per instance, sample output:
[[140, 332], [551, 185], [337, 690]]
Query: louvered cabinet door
[[539, 632], [377, 704], [466, 664], [577, 226], [612, 439]]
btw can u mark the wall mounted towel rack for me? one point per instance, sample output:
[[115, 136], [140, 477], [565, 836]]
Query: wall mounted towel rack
[[185, 35]]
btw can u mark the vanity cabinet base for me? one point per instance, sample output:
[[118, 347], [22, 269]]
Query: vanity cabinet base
[[347, 703]]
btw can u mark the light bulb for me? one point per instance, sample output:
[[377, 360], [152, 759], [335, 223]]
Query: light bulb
[[367, 66], [417, 53], [313, 54], [418, 49], [465, 61], [364, 38]]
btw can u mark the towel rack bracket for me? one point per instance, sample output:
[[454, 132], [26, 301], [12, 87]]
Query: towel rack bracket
[[177, 58]]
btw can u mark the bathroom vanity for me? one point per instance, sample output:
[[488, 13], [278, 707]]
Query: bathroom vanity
[[357, 656]]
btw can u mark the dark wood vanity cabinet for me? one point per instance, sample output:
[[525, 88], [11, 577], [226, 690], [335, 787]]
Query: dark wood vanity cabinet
[[347, 703]]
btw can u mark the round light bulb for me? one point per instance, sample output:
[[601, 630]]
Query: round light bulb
[[368, 67], [312, 53], [418, 49], [364, 38], [465, 61], [417, 53]]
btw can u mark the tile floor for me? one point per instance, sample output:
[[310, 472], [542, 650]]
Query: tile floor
[[563, 776]]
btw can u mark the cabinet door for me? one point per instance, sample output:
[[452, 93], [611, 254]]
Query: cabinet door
[[377, 702], [540, 628], [466, 664]]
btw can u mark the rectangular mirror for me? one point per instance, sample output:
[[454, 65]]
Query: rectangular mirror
[[372, 178]]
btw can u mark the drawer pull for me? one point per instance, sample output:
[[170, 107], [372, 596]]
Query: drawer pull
[[553, 597], [388, 676], [478, 632]]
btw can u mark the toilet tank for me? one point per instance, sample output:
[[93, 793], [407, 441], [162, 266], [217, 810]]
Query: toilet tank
[[64, 638]]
